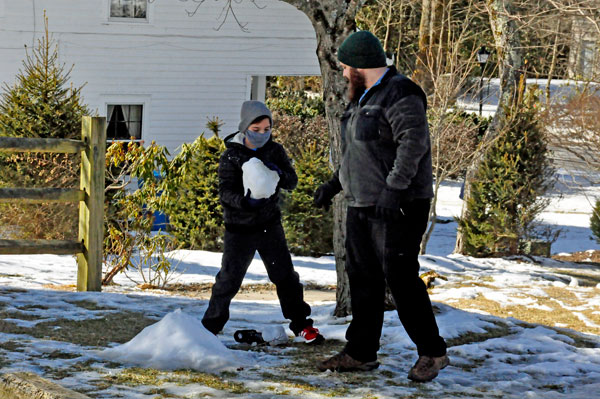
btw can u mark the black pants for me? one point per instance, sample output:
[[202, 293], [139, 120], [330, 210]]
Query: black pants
[[239, 251], [378, 251]]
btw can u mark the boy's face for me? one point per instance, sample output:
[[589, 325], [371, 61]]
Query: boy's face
[[262, 126]]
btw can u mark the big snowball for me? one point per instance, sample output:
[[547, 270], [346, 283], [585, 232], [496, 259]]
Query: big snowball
[[260, 180]]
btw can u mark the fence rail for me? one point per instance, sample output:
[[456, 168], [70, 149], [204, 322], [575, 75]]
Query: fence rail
[[39, 195], [58, 146], [31, 247], [90, 196]]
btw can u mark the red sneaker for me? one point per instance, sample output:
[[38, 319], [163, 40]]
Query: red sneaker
[[311, 335]]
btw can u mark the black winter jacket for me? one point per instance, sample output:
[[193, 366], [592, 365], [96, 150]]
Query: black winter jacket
[[385, 142], [231, 186]]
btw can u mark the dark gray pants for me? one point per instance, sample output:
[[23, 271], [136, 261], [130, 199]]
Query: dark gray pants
[[240, 248], [380, 251]]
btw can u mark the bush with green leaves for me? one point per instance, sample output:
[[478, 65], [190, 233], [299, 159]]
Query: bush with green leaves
[[506, 194], [309, 230], [290, 96], [41, 103], [191, 200], [595, 221], [132, 195]]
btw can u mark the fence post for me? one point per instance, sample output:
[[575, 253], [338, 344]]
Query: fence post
[[91, 210]]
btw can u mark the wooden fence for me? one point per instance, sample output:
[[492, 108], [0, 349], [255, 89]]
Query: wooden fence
[[90, 196]]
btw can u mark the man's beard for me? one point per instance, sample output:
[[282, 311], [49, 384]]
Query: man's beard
[[356, 85]]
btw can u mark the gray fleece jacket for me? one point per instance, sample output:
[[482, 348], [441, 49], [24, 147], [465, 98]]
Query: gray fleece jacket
[[385, 142]]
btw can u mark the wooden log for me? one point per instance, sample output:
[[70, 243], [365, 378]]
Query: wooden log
[[41, 195], [22, 144], [27, 385], [31, 247], [89, 262]]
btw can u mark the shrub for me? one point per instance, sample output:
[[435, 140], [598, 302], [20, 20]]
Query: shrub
[[41, 103], [289, 96], [309, 230], [296, 135], [506, 192], [595, 221], [191, 197], [129, 213]]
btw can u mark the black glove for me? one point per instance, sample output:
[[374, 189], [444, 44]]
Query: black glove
[[249, 203], [274, 167], [325, 193], [391, 203]]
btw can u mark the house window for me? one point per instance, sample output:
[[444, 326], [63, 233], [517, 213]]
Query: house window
[[124, 122], [128, 9]]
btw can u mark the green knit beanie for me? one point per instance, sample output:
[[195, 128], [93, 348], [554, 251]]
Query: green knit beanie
[[362, 50]]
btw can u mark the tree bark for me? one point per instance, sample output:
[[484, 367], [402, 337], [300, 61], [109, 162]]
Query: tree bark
[[333, 21], [509, 50]]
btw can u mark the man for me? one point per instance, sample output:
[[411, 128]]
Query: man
[[386, 177]]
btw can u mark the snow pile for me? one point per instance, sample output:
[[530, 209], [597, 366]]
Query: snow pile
[[178, 341], [260, 180]]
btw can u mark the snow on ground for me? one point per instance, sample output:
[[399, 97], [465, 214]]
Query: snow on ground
[[516, 328]]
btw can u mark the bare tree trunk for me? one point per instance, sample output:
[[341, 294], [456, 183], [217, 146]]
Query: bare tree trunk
[[553, 62], [508, 47], [333, 21], [421, 71]]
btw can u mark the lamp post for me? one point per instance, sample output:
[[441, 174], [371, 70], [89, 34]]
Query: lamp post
[[482, 58]]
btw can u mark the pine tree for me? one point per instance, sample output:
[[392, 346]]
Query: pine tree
[[41, 103], [595, 221], [507, 191], [192, 198]]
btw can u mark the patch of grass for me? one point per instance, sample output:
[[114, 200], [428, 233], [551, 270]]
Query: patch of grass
[[339, 392], [585, 279], [71, 370], [12, 290], [549, 318], [208, 380], [11, 346], [112, 327], [19, 315], [29, 307], [289, 381], [140, 376], [502, 330], [61, 355], [89, 305], [10, 275]]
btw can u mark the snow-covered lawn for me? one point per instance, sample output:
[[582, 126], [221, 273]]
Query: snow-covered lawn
[[516, 328]]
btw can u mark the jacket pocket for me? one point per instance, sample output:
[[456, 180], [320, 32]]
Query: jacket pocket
[[367, 125]]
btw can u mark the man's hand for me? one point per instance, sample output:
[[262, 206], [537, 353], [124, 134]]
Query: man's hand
[[391, 203], [324, 194]]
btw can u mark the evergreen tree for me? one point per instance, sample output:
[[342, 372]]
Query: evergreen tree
[[41, 103], [507, 191], [191, 196], [309, 230], [595, 221]]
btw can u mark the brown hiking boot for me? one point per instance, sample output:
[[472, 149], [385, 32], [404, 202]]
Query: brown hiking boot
[[343, 362], [427, 368]]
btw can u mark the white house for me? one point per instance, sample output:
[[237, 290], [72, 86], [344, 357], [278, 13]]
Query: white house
[[161, 70]]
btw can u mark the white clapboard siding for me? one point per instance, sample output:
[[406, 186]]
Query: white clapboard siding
[[181, 68]]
